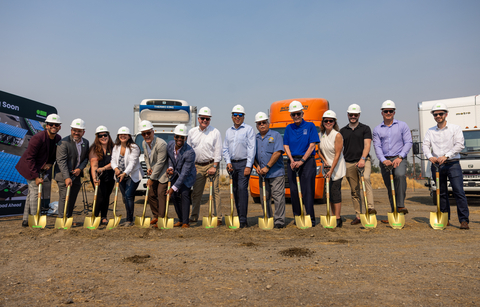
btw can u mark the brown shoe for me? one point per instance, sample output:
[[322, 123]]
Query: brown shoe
[[402, 210], [186, 226], [178, 224], [448, 224], [355, 221], [372, 211], [154, 221], [464, 225], [219, 223], [384, 221], [192, 220]]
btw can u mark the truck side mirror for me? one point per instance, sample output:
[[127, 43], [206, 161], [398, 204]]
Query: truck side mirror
[[416, 148]]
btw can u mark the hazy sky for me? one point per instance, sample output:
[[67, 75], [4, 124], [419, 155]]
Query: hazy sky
[[96, 59]]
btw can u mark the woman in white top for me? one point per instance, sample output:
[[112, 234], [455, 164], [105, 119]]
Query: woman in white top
[[128, 170], [331, 147]]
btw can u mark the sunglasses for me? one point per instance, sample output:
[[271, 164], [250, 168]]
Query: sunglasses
[[105, 135], [438, 114], [388, 111], [181, 137], [352, 114], [262, 123], [237, 114], [53, 125], [146, 133], [296, 114], [205, 118], [328, 121]]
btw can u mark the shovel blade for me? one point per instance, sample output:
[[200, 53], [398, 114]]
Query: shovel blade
[[142, 222], [210, 222], [232, 222], [370, 221], [438, 221], [303, 223], [328, 221], [396, 222], [112, 223], [92, 223], [59, 224], [165, 223], [265, 223]]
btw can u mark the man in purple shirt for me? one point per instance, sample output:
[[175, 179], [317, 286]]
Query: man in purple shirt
[[392, 141]]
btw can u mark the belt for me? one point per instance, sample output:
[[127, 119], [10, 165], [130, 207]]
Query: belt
[[239, 160], [204, 163], [300, 157], [451, 161], [392, 157]]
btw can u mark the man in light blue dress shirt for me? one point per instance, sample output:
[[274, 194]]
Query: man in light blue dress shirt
[[392, 141], [239, 153]]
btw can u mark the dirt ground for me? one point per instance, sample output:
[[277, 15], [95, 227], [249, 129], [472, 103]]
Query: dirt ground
[[415, 266]]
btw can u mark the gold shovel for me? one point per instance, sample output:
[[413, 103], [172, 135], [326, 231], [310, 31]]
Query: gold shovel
[[231, 221], [93, 221], [112, 223], [64, 222], [265, 223], [327, 221], [209, 221], [37, 220], [302, 221], [395, 219], [368, 220], [165, 222], [142, 221], [438, 220]]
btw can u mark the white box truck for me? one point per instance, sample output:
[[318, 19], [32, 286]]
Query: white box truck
[[164, 114], [464, 112]]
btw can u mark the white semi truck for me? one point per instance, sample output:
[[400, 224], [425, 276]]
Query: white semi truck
[[464, 112], [164, 114]]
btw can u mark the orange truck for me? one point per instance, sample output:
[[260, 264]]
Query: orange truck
[[279, 118]]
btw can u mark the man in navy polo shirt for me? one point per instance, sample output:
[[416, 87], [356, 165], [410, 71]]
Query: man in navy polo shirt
[[299, 142], [269, 163]]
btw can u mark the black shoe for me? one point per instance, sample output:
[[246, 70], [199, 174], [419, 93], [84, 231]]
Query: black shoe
[[339, 223], [24, 223], [243, 225], [372, 211], [279, 226]]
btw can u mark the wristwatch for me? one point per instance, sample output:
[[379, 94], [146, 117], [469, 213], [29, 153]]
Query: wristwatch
[[302, 160], [267, 166], [363, 158]]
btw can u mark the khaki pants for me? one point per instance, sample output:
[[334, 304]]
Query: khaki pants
[[198, 188], [353, 178]]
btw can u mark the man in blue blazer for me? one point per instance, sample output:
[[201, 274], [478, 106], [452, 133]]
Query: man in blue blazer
[[181, 162]]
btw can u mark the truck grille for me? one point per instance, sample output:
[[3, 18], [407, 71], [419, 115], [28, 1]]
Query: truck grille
[[144, 168]]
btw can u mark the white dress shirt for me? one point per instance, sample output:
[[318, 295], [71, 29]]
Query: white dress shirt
[[446, 142], [207, 144]]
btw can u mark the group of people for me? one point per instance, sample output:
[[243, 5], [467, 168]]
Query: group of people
[[194, 155]]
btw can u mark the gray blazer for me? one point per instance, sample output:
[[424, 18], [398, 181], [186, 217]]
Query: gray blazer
[[67, 156], [157, 160]]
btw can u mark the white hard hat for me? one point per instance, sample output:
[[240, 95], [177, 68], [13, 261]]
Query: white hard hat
[[123, 130], [181, 130], [238, 109], [54, 119], [330, 114], [260, 116], [205, 111], [78, 123], [295, 106], [145, 125], [101, 129], [388, 104], [439, 107], [354, 109]]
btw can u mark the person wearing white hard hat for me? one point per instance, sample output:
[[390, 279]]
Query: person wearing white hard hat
[[181, 168], [269, 164], [206, 141], [357, 139], [331, 152], [392, 140], [155, 153], [38, 159], [101, 171], [239, 154], [300, 139], [442, 146], [72, 158], [128, 170]]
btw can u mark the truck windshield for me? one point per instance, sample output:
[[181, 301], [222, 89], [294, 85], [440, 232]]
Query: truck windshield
[[472, 143], [166, 137], [282, 130]]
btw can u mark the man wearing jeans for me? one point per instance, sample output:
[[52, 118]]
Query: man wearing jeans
[[239, 153], [442, 145], [357, 139], [392, 141]]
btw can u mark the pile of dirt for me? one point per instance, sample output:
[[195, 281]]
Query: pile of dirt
[[296, 252]]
